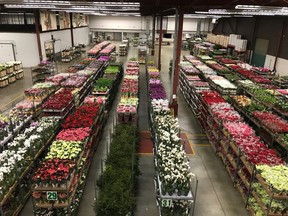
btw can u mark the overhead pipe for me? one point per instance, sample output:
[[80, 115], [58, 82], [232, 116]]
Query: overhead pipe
[[279, 43]]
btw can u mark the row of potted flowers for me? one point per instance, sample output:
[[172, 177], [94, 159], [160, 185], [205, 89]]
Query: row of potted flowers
[[41, 91], [75, 86], [188, 68], [156, 88], [239, 132], [229, 65], [232, 67], [67, 156], [251, 145], [107, 50], [127, 106], [96, 49], [262, 95], [27, 145], [255, 150], [172, 167], [217, 81], [72, 151], [271, 122], [103, 85], [80, 65], [249, 74], [11, 124], [23, 150]]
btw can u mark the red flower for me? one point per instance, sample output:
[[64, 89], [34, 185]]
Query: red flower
[[83, 117]]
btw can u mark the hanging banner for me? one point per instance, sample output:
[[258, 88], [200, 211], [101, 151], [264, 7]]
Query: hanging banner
[[76, 20], [79, 20], [64, 20], [48, 20], [85, 20]]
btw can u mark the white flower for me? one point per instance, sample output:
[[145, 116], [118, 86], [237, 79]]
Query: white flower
[[27, 143], [1, 176]]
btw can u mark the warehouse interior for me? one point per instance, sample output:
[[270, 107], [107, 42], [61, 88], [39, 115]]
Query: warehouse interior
[[163, 31]]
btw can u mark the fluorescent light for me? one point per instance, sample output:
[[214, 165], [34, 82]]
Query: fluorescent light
[[97, 14], [37, 2], [256, 7], [247, 7], [243, 16], [29, 6], [201, 12], [241, 12]]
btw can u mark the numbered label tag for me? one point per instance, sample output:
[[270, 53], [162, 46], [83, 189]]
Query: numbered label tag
[[52, 195], [166, 203]]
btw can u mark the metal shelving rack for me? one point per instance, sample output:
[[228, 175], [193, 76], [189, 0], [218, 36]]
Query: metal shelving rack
[[42, 71]]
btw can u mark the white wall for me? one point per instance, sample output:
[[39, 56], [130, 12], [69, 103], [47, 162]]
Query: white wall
[[281, 67], [171, 24], [140, 24], [206, 25], [115, 23], [62, 37], [269, 62], [25, 47], [189, 24], [81, 35]]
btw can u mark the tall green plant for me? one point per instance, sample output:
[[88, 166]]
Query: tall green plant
[[118, 182]]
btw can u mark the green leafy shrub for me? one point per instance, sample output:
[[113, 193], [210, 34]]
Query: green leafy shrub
[[117, 183]]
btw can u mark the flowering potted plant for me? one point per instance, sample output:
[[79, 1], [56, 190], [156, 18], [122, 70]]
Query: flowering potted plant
[[37, 196], [84, 116]]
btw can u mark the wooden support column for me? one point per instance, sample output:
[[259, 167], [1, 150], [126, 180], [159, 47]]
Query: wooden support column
[[71, 29], [178, 51], [160, 42], [153, 35], [37, 30]]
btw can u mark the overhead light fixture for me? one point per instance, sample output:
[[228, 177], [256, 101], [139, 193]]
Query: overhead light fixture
[[97, 14], [241, 16], [247, 7], [239, 12], [38, 2], [201, 12], [11, 1], [29, 6], [256, 7], [77, 5]]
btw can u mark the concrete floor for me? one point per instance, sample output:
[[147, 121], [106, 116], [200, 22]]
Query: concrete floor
[[216, 195]]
